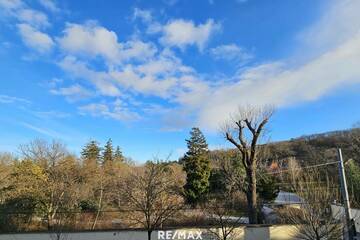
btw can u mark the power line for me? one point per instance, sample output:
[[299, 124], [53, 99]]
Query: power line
[[306, 167]]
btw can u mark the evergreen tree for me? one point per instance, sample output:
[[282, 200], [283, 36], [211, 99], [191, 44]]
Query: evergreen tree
[[91, 153], [118, 156], [353, 179], [197, 167], [267, 186], [108, 156]]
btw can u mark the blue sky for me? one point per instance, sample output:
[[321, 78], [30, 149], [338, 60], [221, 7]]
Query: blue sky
[[144, 72]]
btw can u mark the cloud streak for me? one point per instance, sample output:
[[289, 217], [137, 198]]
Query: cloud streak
[[73, 93], [232, 53], [43, 131], [10, 99]]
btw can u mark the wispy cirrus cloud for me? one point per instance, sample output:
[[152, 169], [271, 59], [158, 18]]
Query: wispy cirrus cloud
[[11, 5], [232, 53], [144, 15], [73, 93], [33, 18], [12, 99], [117, 111], [50, 5], [41, 130], [52, 114], [282, 83]]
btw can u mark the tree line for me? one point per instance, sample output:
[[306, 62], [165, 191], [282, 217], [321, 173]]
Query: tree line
[[48, 188]]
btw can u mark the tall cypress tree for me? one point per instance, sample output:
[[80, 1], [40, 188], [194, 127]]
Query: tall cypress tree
[[108, 156], [91, 153], [197, 167]]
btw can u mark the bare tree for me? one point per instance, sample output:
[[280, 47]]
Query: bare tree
[[99, 188], [64, 222], [289, 172], [221, 212], [61, 191], [248, 125], [313, 221], [44, 153], [61, 178], [152, 194]]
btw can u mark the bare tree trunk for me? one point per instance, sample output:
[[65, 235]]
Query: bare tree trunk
[[253, 120], [99, 208], [251, 195], [149, 234]]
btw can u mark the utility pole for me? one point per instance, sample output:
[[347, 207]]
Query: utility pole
[[345, 197]]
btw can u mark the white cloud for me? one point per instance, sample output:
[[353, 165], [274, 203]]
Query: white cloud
[[9, 5], [292, 80], [231, 52], [35, 39], [144, 15], [281, 85], [101, 80], [147, 84], [194, 91], [170, 2], [339, 23], [161, 76], [154, 27], [93, 40], [11, 99], [181, 33], [136, 49], [29, 22], [41, 130], [135, 67], [22, 13], [102, 110], [74, 92], [33, 17], [90, 39], [50, 5], [50, 114], [94, 108]]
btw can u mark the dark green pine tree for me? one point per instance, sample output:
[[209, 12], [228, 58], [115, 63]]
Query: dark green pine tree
[[197, 167], [108, 156], [267, 186], [118, 156], [91, 153]]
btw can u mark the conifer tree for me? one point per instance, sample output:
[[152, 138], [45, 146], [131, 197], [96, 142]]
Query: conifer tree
[[91, 153], [108, 156], [118, 156], [197, 167]]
